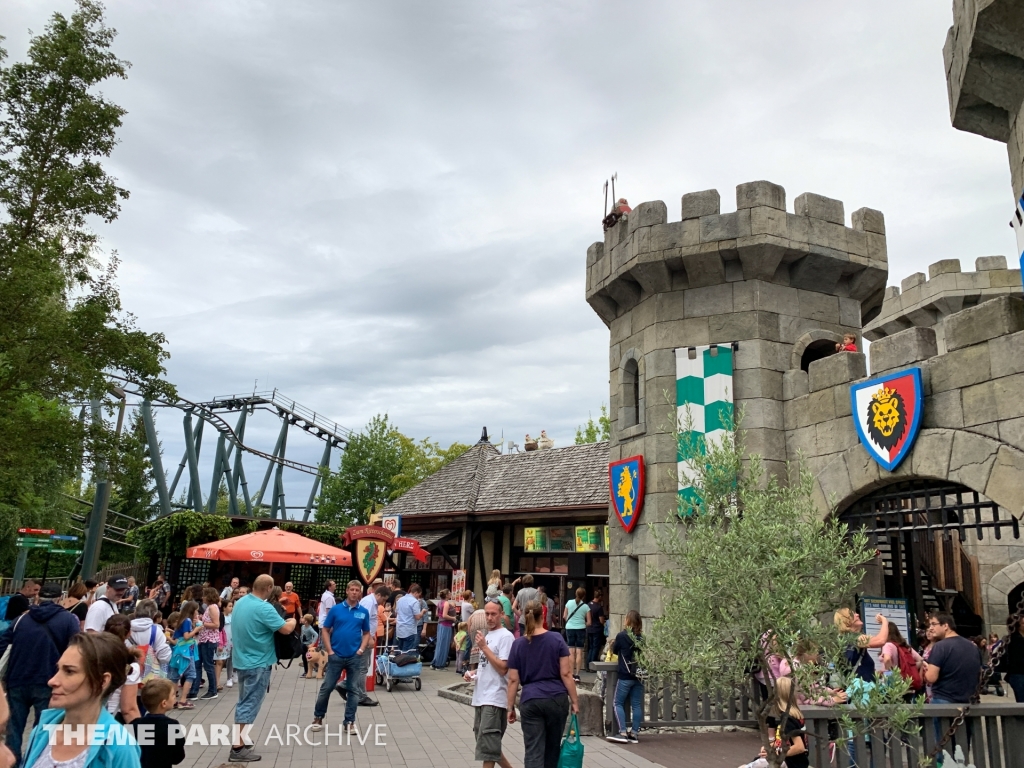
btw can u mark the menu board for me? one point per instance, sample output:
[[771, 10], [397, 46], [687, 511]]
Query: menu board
[[535, 539], [561, 540], [589, 538]]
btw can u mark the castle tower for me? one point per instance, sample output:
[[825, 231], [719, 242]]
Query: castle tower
[[782, 286]]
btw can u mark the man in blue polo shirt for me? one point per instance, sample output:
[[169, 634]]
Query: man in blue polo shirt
[[346, 636]]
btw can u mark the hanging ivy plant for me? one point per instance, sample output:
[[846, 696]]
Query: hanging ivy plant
[[173, 534], [322, 532]]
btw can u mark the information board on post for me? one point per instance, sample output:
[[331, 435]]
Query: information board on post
[[894, 609]]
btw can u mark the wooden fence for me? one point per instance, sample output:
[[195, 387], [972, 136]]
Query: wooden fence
[[138, 570], [992, 736], [669, 702]]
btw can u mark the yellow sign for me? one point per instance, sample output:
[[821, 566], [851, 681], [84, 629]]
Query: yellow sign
[[535, 540], [607, 538]]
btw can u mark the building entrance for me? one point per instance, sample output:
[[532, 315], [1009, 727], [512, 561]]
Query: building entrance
[[927, 534]]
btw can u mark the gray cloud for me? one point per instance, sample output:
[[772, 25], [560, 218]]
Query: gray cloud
[[386, 206]]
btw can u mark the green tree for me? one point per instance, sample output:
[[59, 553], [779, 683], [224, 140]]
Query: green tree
[[420, 460], [62, 327], [595, 431], [379, 465], [748, 571]]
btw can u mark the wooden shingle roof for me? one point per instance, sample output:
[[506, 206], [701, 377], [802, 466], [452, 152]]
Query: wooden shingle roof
[[483, 480]]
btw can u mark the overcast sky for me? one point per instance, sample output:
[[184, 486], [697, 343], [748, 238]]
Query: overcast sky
[[386, 206]]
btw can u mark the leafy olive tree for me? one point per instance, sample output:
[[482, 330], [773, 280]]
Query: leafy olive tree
[[754, 570], [62, 326]]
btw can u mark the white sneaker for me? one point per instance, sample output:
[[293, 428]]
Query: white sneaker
[[229, 683]]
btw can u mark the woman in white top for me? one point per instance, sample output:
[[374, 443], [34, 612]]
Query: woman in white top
[[124, 700]]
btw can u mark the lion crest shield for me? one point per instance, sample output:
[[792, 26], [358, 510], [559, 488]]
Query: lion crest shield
[[887, 414]]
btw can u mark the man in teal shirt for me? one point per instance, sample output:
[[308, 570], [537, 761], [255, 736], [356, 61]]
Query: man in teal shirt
[[253, 624]]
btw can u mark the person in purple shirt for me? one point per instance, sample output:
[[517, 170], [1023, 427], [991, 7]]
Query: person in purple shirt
[[539, 662]]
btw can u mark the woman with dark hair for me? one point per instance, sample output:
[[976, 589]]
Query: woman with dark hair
[[75, 602], [209, 639], [629, 686], [93, 666], [895, 648], [539, 662]]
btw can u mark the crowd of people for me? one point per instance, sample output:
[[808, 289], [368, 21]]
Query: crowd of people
[[125, 656]]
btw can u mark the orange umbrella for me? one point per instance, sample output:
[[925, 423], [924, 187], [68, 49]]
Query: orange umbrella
[[271, 546]]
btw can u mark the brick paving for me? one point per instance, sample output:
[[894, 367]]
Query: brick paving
[[422, 730]]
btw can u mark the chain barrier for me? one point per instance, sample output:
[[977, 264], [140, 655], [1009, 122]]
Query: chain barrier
[[1013, 625]]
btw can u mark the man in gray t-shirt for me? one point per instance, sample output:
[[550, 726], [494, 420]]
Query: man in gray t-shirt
[[526, 595]]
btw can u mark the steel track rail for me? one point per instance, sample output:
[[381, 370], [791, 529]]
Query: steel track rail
[[221, 426]]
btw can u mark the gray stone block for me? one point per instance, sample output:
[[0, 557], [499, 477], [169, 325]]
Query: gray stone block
[[819, 207], [988, 263], [849, 312], [816, 272], [754, 193], [971, 459], [916, 279], [705, 203], [648, 214], [704, 267], [1004, 483], [944, 267], [594, 253], [959, 368], [868, 220], [943, 410], [836, 369], [997, 317], [903, 348], [725, 226]]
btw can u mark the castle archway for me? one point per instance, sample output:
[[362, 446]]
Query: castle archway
[[927, 533], [813, 345], [1002, 593]]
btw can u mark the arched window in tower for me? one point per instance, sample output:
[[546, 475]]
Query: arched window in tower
[[630, 393]]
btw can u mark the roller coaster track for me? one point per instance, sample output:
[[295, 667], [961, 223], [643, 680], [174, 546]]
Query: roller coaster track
[[207, 413]]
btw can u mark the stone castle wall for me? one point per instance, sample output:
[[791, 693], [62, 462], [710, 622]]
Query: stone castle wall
[[775, 282], [771, 280]]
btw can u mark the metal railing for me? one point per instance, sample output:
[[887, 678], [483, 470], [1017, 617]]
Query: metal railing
[[305, 417], [992, 736]]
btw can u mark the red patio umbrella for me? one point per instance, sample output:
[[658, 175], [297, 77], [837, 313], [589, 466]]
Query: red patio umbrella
[[271, 546]]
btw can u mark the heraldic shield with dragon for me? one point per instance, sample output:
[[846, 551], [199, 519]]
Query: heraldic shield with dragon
[[887, 413], [626, 484]]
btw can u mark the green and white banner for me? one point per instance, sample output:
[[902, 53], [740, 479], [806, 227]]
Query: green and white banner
[[704, 409]]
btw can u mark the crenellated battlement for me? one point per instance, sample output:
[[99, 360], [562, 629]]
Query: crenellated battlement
[[810, 249], [924, 302]]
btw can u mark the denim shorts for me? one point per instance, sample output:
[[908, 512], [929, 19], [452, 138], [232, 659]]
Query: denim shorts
[[576, 638], [189, 675], [252, 688]]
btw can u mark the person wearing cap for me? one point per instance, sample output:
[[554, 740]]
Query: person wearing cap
[[106, 606], [37, 639]]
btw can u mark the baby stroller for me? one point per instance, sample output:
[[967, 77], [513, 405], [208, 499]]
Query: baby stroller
[[394, 666]]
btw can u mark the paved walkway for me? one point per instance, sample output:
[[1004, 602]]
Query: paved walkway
[[419, 729]]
